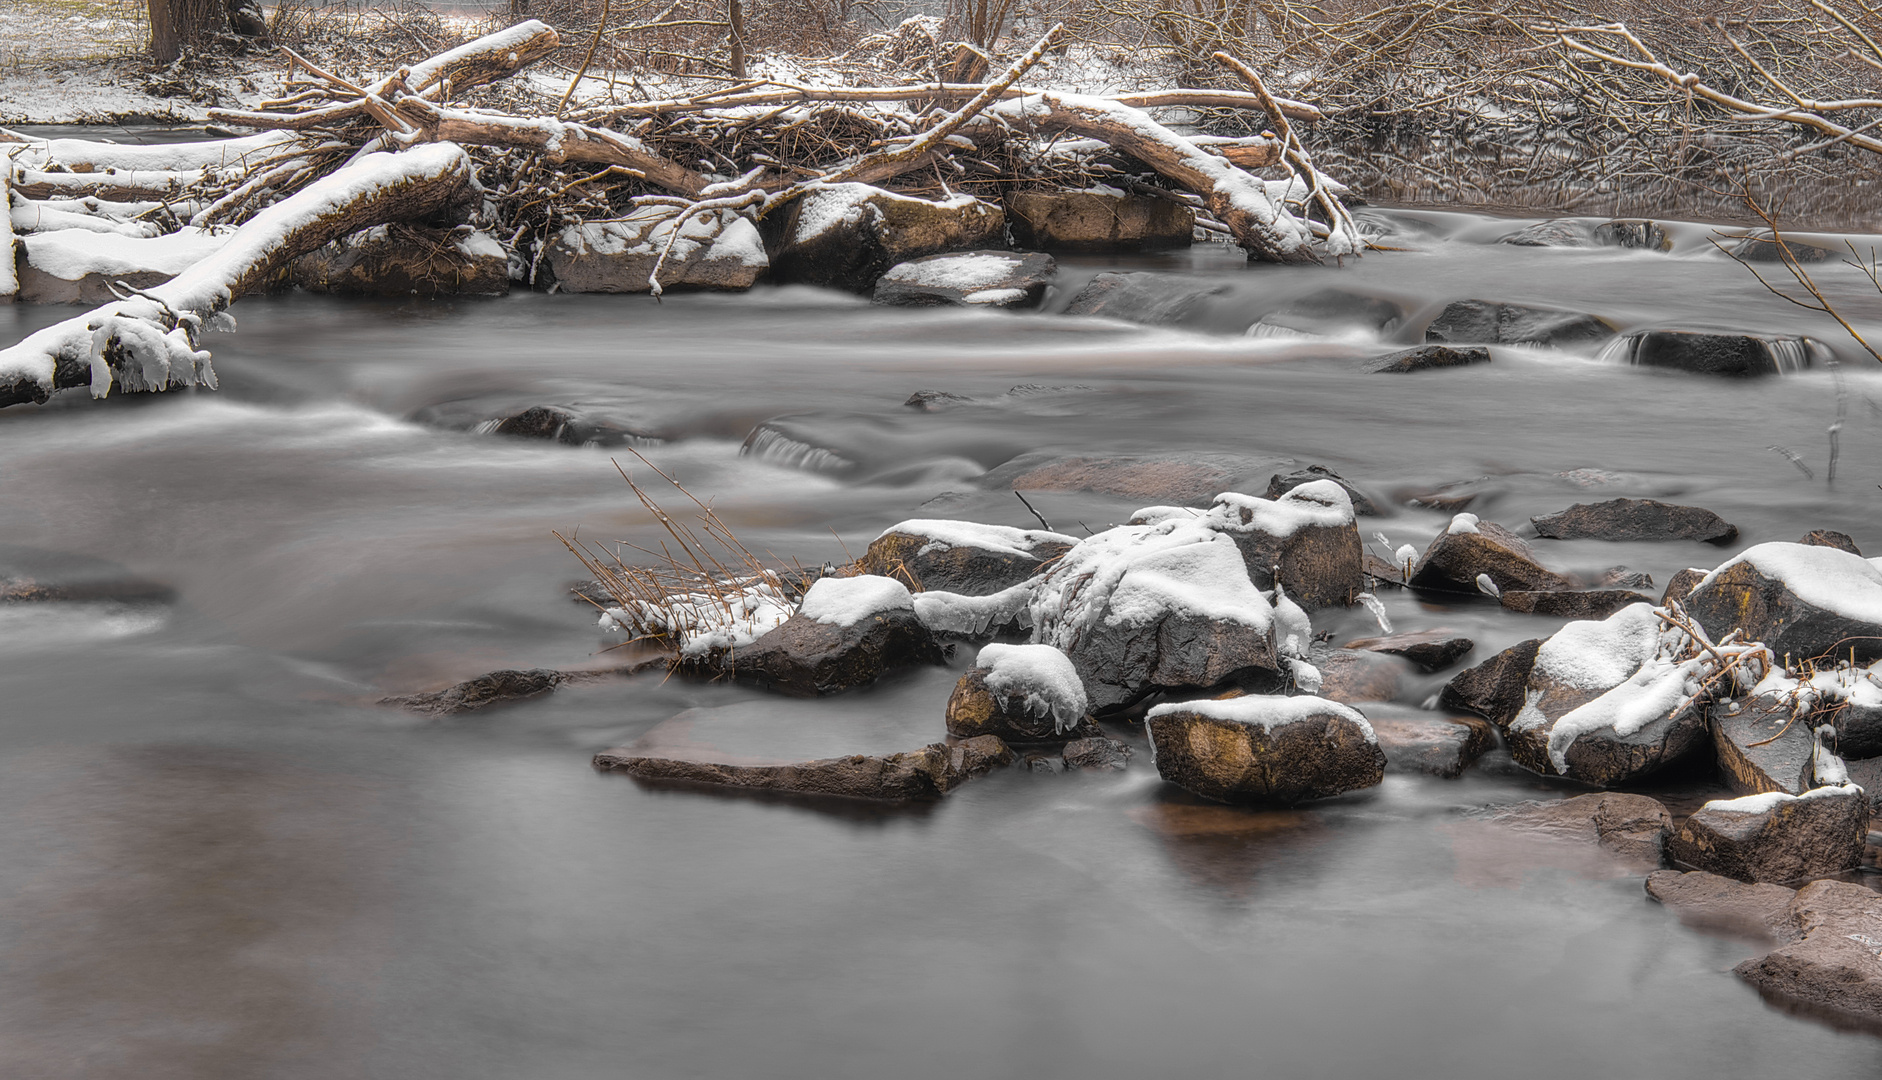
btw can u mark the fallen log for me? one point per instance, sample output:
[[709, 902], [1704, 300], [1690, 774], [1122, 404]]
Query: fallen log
[[182, 158], [112, 185], [9, 277], [557, 141], [941, 93], [148, 341]]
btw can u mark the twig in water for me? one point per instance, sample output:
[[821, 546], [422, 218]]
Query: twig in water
[[1043, 523], [1791, 456]]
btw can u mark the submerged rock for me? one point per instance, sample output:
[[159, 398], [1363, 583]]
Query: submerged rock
[[569, 427], [1837, 966], [713, 251], [1328, 312], [962, 556], [1351, 676], [1494, 688], [1802, 601], [407, 261], [1021, 693], [1143, 297], [1572, 604], [1737, 355], [967, 279], [901, 777], [1636, 233], [1471, 547], [1430, 650], [1632, 826], [1560, 233], [1635, 519], [1188, 478], [1713, 902], [1265, 749], [1776, 837], [1586, 715], [1427, 358], [1279, 485], [1097, 221], [1097, 753], [1442, 747], [1483, 322], [495, 688], [977, 756], [1760, 248], [845, 634], [846, 236]]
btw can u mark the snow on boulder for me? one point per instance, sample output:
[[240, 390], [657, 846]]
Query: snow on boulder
[[1309, 535], [846, 236], [1850, 700], [1470, 547], [407, 261], [1101, 219], [1280, 484], [1837, 967], [968, 279], [845, 634], [1143, 607], [1801, 600], [1776, 837], [1609, 701], [1265, 749], [77, 266], [717, 250], [962, 556], [1022, 693]]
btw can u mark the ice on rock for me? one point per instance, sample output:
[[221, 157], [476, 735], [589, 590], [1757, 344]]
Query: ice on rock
[[1040, 674]]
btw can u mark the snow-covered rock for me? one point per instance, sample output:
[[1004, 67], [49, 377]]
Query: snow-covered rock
[[1103, 220], [1281, 483], [78, 266], [1022, 693], [968, 279], [962, 556], [1776, 836], [845, 634], [846, 236], [1309, 535], [1470, 547], [1141, 607], [1801, 600], [407, 261], [717, 250], [1766, 742], [1265, 749]]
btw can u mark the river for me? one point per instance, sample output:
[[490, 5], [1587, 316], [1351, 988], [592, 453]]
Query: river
[[224, 859]]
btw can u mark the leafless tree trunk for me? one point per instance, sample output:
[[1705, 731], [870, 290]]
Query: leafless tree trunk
[[735, 15], [179, 24]]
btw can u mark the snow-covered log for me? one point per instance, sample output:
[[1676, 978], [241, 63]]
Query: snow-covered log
[[113, 185], [87, 156], [946, 93], [556, 141], [9, 280], [149, 341]]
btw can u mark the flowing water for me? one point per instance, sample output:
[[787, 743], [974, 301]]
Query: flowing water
[[223, 859]]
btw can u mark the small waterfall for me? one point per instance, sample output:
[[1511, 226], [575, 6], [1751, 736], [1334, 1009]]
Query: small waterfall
[[768, 444], [1715, 352]]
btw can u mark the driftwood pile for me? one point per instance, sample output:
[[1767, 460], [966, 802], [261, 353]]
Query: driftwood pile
[[333, 157]]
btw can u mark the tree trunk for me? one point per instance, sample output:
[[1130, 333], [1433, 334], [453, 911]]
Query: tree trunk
[[176, 25], [735, 15]]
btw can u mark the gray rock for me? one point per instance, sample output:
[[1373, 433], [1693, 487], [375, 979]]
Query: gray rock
[[1632, 826], [1858, 730], [570, 428], [846, 236], [1309, 537], [1331, 311], [725, 252], [406, 260], [1470, 547], [1041, 763], [1089, 221], [1096, 753], [962, 557], [1636, 233], [1494, 688], [1427, 358], [1560, 233], [968, 279], [1736, 355], [1776, 837], [1762, 747], [1635, 519], [1351, 676], [495, 688], [1753, 594], [1484, 322], [977, 756], [1837, 966], [1829, 539], [1143, 297], [1572, 604], [808, 658], [901, 777], [1261, 749], [1437, 746], [1279, 485], [1430, 650], [1712, 902], [1760, 248]]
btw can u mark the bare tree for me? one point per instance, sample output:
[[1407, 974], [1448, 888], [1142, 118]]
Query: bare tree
[[176, 25]]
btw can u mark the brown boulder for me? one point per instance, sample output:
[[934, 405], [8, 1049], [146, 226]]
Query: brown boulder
[[1709, 901], [919, 774], [1470, 547], [1265, 749], [1351, 676], [1632, 826], [1442, 746], [1803, 601], [1635, 519], [962, 556], [846, 633], [1829, 539], [1309, 536], [977, 756], [1022, 693], [1682, 583], [1776, 837], [1762, 747], [1090, 221], [1279, 485], [1837, 966], [1430, 650], [1097, 753], [1494, 688], [1572, 604]]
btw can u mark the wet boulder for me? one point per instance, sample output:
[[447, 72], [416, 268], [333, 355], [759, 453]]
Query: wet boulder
[[1470, 547], [1441, 746], [846, 236], [570, 427], [1595, 711], [1776, 837], [1427, 358], [977, 756], [1144, 297], [1707, 353], [1021, 693], [962, 556], [1632, 826], [1802, 601], [1837, 966], [1559, 233], [1712, 902], [1830, 539], [1097, 221], [1484, 322], [1852, 706], [1763, 744], [1191, 478], [1144, 607], [1352, 676], [967, 279], [1097, 753], [1681, 583], [407, 261], [1265, 749], [1635, 519], [1309, 537], [713, 251], [1637, 233], [1572, 604], [1279, 485], [898, 777], [845, 634], [1430, 650], [1494, 689], [494, 688], [1328, 312], [1759, 247]]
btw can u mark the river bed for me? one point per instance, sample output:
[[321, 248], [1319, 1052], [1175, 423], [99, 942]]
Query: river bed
[[225, 859]]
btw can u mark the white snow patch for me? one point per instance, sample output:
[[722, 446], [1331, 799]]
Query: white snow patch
[[945, 533], [848, 601], [1268, 711], [967, 273], [702, 622], [955, 613], [71, 254], [1590, 655], [1766, 801], [1134, 575], [1823, 577], [829, 206], [1043, 675], [1316, 503], [1462, 524]]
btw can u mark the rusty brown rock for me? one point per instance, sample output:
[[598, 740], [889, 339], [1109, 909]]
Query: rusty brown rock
[[1438, 745], [1223, 750], [1430, 650], [1713, 902], [1681, 584], [919, 774], [1494, 688], [975, 560], [1635, 519], [1776, 837], [1469, 548], [1763, 607], [975, 710], [1632, 826], [1089, 221], [1837, 966]]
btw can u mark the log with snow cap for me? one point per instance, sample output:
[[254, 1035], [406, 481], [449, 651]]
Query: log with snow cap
[[1309, 535], [1265, 749], [1163, 606]]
